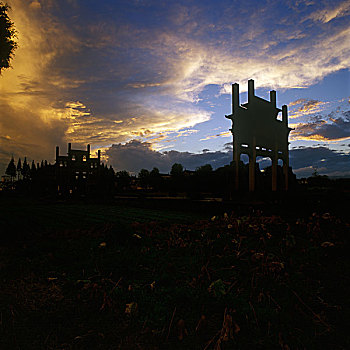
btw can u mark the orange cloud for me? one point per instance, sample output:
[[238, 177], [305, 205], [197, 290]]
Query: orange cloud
[[222, 134], [306, 107]]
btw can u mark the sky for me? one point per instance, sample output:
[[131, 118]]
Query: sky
[[149, 82]]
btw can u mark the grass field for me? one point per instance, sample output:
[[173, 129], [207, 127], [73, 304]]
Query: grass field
[[38, 216], [172, 275]]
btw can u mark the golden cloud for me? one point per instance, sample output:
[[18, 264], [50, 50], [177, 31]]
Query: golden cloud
[[29, 116], [222, 134], [306, 107], [35, 4]]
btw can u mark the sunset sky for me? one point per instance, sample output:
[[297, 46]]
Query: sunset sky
[[149, 82]]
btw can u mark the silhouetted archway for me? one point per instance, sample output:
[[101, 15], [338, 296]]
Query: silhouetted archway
[[258, 130]]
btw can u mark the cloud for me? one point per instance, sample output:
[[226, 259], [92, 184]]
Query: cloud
[[35, 4], [332, 127], [31, 114], [326, 161], [331, 12], [306, 107], [135, 155], [27, 135], [221, 134]]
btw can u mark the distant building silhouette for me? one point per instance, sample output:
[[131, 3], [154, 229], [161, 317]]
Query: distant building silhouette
[[77, 172], [257, 132]]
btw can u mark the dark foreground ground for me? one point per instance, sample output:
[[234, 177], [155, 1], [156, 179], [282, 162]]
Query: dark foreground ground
[[175, 274]]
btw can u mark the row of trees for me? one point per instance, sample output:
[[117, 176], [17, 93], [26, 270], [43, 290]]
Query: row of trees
[[21, 170], [203, 180]]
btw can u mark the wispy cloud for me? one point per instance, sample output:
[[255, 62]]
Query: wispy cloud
[[221, 134], [304, 107], [331, 11]]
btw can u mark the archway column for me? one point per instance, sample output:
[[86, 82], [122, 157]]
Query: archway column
[[236, 155], [286, 170], [274, 164], [252, 161]]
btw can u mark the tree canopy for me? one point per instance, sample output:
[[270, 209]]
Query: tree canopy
[[7, 37], [11, 169], [144, 177], [204, 169], [176, 169]]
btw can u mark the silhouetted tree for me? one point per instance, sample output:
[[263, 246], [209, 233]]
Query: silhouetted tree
[[224, 180], [7, 36], [155, 179], [19, 168], [204, 169], [202, 181], [317, 180], [11, 169], [143, 177], [176, 169], [103, 185], [177, 183], [155, 172], [25, 169], [123, 180]]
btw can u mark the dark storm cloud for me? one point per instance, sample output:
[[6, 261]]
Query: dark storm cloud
[[325, 160], [135, 155]]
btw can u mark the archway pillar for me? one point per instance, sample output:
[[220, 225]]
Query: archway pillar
[[252, 161], [274, 164], [286, 170], [236, 156]]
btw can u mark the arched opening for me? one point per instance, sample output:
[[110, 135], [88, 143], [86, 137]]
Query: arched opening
[[244, 172], [244, 158], [279, 116], [263, 178]]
